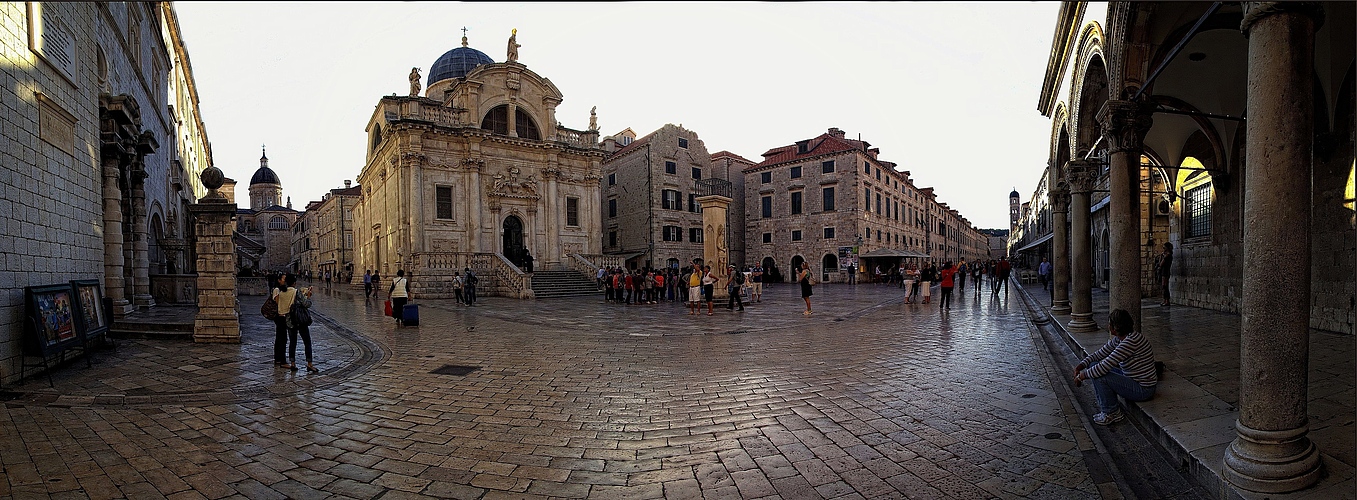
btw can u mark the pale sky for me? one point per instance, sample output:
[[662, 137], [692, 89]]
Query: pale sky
[[947, 90]]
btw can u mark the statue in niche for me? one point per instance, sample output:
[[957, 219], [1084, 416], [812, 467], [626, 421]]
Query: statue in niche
[[513, 46], [414, 82], [593, 118]]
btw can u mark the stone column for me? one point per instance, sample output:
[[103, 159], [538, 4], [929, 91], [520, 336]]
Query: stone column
[[217, 320], [114, 283], [1079, 175], [1272, 452], [513, 119], [714, 251], [141, 275], [1060, 248], [1125, 124], [555, 221]]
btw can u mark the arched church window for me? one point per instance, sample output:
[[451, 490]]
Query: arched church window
[[376, 137], [497, 121], [278, 222]]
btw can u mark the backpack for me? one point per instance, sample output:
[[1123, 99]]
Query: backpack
[[473, 279], [739, 278], [270, 308]]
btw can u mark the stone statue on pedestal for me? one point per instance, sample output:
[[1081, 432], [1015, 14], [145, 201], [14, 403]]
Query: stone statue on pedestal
[[513, 47], [414, 81]]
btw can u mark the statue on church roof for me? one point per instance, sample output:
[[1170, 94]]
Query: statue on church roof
[[593, 118], [513, 46], [414, 81]]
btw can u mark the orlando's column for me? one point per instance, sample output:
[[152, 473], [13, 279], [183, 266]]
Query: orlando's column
[[714, 251], [1271, 452]]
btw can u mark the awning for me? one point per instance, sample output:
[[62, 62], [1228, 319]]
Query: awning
[[1039, 241], [890, 252]]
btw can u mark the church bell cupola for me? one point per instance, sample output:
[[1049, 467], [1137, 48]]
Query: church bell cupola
[[265, 188]]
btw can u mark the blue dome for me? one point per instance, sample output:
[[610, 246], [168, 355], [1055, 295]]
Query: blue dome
[[456, 63]]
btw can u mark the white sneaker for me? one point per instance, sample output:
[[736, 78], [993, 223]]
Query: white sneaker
[[1108, 419]]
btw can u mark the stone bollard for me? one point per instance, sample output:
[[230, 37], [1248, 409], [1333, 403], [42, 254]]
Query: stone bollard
[[217, 320]]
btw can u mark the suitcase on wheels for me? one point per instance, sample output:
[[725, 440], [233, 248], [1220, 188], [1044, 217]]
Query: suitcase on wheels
[[410, 315]]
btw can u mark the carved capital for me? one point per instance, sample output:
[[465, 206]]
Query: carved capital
[[1124, 125], [1080, 175], [1060, 198], [473, 164], [1255, 11]]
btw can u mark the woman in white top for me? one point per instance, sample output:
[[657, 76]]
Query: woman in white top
[[287, 299], [399, 295]]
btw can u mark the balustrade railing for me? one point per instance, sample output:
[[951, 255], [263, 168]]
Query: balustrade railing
[[505, 279], [587, 139]]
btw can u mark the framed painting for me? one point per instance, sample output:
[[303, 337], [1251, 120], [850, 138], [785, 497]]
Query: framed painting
[[92, 318], [52, 317]]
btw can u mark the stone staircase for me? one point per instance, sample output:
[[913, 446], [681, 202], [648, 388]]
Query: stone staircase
[[165, 322], [562, 283]]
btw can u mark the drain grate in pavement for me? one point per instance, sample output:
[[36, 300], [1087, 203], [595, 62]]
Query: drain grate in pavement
[[1029, 396], [1053, 435], [455, 370]]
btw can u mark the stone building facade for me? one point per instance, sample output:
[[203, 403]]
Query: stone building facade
[[819, 198], [477, 173], [649, 210], [333, 230], [264, 231], [98, 167], [304, 249], [1149, 102]]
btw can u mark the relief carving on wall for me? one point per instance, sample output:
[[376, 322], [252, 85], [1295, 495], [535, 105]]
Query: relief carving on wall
[[444, 245], [473, 164], [510, 184]]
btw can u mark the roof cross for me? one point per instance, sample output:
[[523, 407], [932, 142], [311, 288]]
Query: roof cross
[[464, 36]]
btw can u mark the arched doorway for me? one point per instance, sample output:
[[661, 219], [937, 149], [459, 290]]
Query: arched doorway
[[829, 264], [796, 267], [156, 254], [513, 240], [769, 268]]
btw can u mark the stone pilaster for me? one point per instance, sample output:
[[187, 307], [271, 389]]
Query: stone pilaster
[[217, 320], [1060, 249], [141, 275], [1079, 175], [114, 282], [1125, 124], [714, 251], [1272, 452], [553, 258]]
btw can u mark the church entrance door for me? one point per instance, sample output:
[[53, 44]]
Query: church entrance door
[[513, 240]]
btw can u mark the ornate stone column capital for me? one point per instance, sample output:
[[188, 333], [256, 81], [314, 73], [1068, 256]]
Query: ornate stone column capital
[[1254, 11], [1080, 176], [1124, 125], [1060, 198]]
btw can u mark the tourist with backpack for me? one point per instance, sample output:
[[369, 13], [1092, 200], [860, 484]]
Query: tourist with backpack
[[733, 289]]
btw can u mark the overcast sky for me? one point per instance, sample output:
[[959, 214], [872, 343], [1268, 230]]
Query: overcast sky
[[946, 90]]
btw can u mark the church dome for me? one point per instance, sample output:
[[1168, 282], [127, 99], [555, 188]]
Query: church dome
[[1014, 194], [264, 175], [456, 63]]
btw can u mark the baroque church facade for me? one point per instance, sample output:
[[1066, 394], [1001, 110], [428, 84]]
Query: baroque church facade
[[477, 173], [264, 231]]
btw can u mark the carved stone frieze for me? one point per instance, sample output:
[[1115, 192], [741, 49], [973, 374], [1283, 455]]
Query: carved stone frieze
[[511, 184], [473, 164]]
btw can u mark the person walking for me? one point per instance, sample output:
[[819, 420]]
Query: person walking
[[367, 284], [278, 285], [803, 277], [756, 284], [961, 272], [470, 281], [977, 275], [1044, 273], [946, 281], [399, 295], [296, 300], [910, 277], [926, 284], [1124, 366], [708, 287], [1003, 268], [376, 284], [1163, 269], [733, 289]]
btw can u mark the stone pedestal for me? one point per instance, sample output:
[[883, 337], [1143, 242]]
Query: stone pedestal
[[1272, 452], [1060, 249], [1079, 175], [714, 250], [217, 320]]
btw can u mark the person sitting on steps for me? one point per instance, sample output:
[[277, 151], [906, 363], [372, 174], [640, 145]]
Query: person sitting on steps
[[1124, 366]]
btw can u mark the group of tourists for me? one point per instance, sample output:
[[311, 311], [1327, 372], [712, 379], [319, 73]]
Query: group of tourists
[[690, 284]]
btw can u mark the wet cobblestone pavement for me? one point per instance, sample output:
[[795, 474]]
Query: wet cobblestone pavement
[[572, 398]]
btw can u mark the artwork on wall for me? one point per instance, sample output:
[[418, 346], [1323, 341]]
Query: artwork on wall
[[89, 297], [52, 317]]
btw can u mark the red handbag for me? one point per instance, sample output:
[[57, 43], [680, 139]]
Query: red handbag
[[388, 307]]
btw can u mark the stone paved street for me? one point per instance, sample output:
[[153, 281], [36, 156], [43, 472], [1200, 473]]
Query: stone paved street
[[574, 398]]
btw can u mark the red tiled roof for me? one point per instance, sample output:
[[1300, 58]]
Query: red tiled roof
[[636, 144], [824, 144]]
